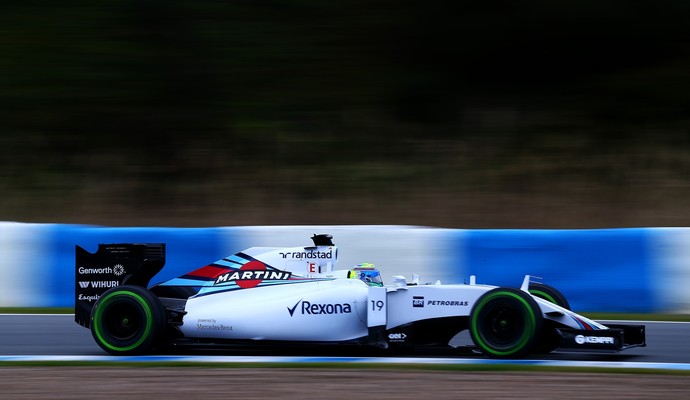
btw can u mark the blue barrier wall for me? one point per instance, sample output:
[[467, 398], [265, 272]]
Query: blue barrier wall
[[608, 270], [596, 270]]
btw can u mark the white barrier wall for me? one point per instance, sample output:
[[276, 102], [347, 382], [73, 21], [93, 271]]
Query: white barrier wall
[[671, 275], [23, 249], [611, 270]]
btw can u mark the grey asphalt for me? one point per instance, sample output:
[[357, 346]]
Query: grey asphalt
[[667, 342], [44, 335]]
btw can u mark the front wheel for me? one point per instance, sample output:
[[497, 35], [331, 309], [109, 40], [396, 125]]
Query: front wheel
[[505, 322], [127, 320], [550, 339], [549, 293]]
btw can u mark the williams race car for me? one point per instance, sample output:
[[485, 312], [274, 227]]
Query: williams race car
[[296, 296]]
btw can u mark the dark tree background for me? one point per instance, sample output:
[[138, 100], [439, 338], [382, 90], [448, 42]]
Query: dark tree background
[[469, 114]]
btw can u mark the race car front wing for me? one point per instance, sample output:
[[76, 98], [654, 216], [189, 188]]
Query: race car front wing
[[616, 338]]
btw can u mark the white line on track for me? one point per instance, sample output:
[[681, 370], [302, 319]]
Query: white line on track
[[351, 360]]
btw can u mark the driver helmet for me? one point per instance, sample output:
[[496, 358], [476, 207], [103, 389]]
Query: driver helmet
[[367, 273]]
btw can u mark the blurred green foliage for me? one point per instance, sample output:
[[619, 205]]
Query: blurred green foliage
[[447, 113]]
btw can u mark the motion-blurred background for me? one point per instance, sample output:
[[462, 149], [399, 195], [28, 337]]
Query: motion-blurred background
[[466, 114]]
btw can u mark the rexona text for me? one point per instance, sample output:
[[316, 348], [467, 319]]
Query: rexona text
[[320, 309]]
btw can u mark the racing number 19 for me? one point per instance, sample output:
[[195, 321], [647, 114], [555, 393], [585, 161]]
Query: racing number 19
[[376, 315], [377, 305]]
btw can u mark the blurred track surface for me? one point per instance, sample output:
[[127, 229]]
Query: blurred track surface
[[59, 335]]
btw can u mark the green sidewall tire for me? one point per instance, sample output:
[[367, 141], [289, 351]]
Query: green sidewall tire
[[549, 340], [549, 293], [127, 320], [505, 322]]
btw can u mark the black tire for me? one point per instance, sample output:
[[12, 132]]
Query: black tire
[[549, 340], [505, 322], [127, 320], [548, 293]]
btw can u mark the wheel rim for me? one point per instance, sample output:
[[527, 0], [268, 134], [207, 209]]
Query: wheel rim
[[123, 321], [503, 324]]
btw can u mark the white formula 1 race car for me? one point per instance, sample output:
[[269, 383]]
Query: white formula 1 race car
[[295, 296]]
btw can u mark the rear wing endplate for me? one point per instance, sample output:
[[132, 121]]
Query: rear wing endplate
[[110, 266]]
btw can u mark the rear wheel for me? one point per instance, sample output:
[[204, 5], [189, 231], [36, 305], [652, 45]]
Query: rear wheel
[[127, 320], [505, 323], [549, 340]]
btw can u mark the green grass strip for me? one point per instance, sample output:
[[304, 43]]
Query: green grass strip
[[637, 317], [36, 310]]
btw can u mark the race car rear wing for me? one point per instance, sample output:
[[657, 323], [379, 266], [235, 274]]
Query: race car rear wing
[[110, 266]]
